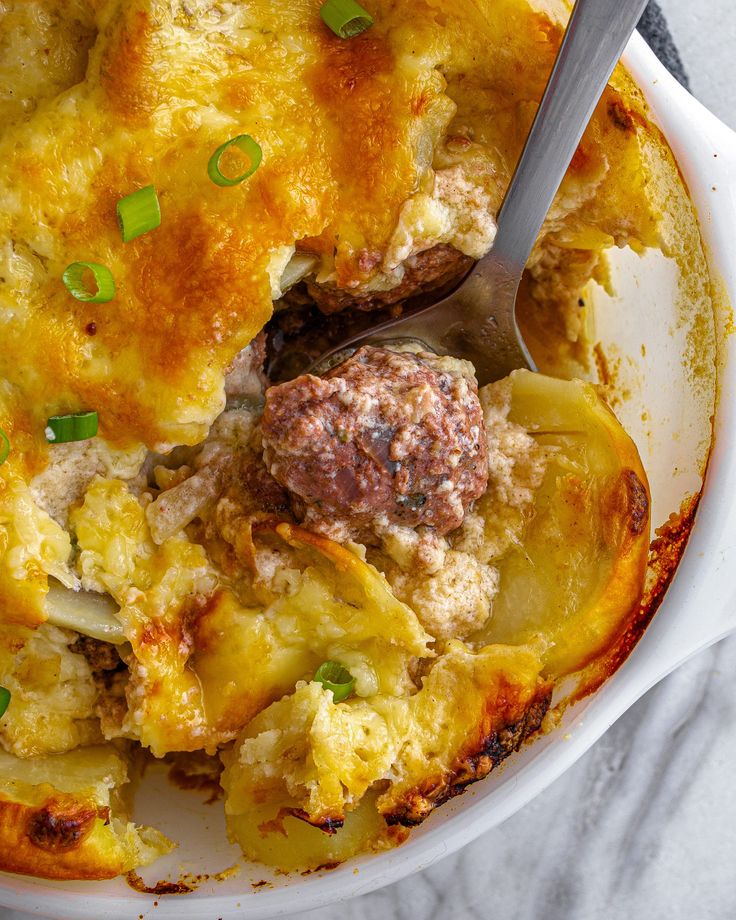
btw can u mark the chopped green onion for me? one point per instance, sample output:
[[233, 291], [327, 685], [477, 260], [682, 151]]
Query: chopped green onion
[[244, 143], [4, 700], [104, 283], [4, 447], [138, 213], [333, 676], [76, 427], [346, 18]]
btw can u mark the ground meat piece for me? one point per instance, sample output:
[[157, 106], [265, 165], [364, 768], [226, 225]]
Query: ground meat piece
[[427, 271], [230, 457], [258, 493], [396, 435], [453, 602], [112, 702], [102, 656]]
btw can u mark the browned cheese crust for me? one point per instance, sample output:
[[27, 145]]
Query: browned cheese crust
[[494, 742], [54, 838]]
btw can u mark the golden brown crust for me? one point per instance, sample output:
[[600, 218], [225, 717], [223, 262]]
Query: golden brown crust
[[126, 72], [339, 123], [665, 554], [63, 816], [629, 501], [63, 823], [494, 741], [59, 839]]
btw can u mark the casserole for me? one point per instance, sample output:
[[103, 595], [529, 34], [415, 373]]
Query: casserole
[[502, 797]]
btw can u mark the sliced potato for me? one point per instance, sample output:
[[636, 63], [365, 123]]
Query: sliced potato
[[202, 663], [572, 581], [52, 702], [32, 547], [63, 817], [308, 758], [277, 838], [339, 607], [86, 612]]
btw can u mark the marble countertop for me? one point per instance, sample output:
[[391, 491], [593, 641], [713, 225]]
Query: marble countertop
[[705, 33], [644, 826]]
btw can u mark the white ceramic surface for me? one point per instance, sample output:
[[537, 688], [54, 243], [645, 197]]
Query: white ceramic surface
[[680, 628]]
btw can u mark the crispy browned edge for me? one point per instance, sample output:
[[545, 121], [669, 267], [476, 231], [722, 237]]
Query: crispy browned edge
[[665, 553], [474, 762], [59, 839]]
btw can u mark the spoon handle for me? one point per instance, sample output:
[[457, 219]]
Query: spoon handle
[[595, 39]]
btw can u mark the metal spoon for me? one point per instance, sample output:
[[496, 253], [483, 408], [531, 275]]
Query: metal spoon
[[477, 320]]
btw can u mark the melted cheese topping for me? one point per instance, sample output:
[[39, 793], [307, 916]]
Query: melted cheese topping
[[65, 816], [52, 698], [341, 125], [203, 664], [374, 149], [309, 754]]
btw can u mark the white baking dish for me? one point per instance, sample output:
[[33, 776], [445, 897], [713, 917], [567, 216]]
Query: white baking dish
[[699, 607]]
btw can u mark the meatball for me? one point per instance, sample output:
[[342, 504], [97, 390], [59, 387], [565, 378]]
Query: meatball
[[395, 435], [424, 272]]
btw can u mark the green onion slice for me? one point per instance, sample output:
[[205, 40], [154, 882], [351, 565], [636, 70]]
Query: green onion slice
[[4, 447], [346, 18], [104, 283], [333, 676], [79, 426], [4, 700], [244, 143], [138, 213]]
